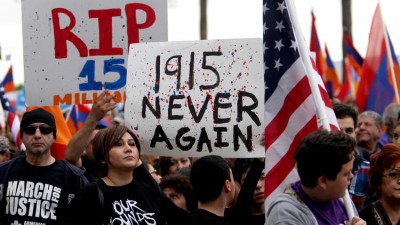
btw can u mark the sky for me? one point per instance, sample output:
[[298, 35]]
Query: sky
[[230, 19]]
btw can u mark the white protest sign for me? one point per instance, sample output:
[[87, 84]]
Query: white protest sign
[[197, 98], [75, 49]]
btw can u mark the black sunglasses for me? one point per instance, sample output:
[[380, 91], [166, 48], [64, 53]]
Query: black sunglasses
[[43, 129]]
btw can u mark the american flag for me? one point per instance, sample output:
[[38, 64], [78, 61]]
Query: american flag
[[11, 119], [290, 110]]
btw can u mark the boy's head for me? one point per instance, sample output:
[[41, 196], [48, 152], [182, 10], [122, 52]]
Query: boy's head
[[323, 153], [210, 176]]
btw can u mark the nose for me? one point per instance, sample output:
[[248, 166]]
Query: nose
[[259, 184], [180, 165], [128, 148], [37, 133], [351, 175], [361, 126]]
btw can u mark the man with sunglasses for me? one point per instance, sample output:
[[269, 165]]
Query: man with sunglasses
[[36, 188]]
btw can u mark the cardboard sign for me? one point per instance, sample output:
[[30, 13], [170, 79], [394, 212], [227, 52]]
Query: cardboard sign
[[75, 49], [197, 98]]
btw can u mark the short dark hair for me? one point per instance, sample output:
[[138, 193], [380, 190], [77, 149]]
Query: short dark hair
[[164, 165], [322, 153], [208, 175], [106, 138], [343, 110], [386, 158], [240, 166], [181, 184]]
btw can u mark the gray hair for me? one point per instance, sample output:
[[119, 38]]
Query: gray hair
[[375, 115], [4, 144], [391, 112]]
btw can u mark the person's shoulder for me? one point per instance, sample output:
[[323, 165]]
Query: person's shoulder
[[146, 187], [79, 171], [367, 213], [286, 200], [89, 189], [201, 216], [74, 172], [7, 164], [287, 208], [366, 210]]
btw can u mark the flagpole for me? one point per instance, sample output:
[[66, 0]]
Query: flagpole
[[320, 106], [390, 59]]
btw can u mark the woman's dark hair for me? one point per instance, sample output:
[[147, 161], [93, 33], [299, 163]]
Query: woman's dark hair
[[240, 166], [164, 164], [106, 138]]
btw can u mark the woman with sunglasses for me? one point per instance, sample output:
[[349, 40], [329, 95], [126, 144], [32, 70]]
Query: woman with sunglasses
[[122, 196], [384, 176]]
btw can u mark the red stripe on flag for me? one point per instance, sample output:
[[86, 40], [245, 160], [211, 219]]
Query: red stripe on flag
[[286, 164], [292, 101], [325, 96]]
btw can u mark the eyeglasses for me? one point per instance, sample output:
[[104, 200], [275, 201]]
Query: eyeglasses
[[43, 129], [392, 175]]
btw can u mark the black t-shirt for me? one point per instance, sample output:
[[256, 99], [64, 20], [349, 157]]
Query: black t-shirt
[[375, 214], [204, 217], [93, 170], [135, 204], [34, 194]]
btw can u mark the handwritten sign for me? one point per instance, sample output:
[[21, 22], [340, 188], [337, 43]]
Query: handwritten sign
[[75, 49], [197, 98]]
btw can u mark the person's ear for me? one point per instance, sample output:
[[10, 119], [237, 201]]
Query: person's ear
[[227, 186], [7, 155], [322, 182]]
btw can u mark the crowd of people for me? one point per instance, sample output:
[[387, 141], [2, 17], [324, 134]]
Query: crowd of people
[[105, 179]]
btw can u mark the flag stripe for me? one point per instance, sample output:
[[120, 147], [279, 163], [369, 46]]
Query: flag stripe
[[291, 103], [285, 85], [279, 172], [12, 119]]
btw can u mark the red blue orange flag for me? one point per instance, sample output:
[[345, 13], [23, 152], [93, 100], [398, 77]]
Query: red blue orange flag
[[377, 86], [63, 135], [353, 63], [332, 83], [348, 89], [351, 53], [316, 48], [78, 115], [8, 81]]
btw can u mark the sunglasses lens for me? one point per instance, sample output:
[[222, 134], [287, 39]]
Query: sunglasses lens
[[46, 130], [30, 130], [43, 130]]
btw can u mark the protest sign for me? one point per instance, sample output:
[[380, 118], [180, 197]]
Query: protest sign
[[75, 49], [197, 98]]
